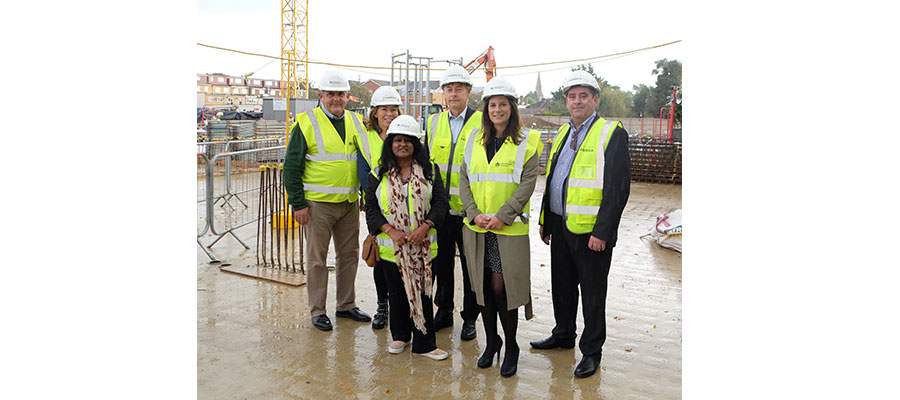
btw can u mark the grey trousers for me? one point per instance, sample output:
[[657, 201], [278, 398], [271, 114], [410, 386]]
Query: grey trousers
[[340, 220]]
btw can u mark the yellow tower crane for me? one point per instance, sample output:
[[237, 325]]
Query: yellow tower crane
[[294, 78], [294, 54]]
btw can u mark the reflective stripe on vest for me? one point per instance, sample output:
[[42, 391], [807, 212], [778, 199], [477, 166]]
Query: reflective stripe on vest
[[443, 167], [584, 186], [597, 182], [370, 149], [434, 121], [329, 176], [514, 177], [492, 189], [448, 155], [384, 241], [330, 189]]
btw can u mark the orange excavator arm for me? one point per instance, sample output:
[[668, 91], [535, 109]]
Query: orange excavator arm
[[487, 60]]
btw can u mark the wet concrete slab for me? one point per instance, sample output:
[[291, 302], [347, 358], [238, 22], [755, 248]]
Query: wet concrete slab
[[255, 339]]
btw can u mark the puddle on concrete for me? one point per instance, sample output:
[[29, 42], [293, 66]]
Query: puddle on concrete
[[255, 339]]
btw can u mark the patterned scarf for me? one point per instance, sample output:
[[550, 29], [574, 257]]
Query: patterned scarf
[[414, 262]]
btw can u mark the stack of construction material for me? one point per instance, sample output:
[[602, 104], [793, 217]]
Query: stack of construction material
[[655, 160], [217, 129], [267, 128], [546, 138], [240, 129]]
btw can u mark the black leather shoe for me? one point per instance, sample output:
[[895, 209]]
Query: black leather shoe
[[321, 322], [587, 366], [354, 314], [468, 330], [552, 343], [381, 315], [442, 321]]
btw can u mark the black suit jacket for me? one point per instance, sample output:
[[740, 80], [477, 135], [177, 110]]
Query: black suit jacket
[[616, 186]]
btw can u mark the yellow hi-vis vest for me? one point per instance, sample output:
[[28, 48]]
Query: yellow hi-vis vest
[[441, 147], [330, 173], [385, 243], [370, 143], [493, 183], [584, 189]]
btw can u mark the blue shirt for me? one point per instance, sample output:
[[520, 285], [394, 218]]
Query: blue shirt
[[564, 165], [457, 122], [330, 115]]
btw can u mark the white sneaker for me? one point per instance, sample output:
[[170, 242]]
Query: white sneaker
[[397, 347], [436, 354]]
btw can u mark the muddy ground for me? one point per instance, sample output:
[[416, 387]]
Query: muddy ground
[[255, 339]]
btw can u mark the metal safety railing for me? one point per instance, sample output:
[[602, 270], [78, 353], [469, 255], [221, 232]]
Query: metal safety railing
[[228, 186], [202, 220], [210, 149]]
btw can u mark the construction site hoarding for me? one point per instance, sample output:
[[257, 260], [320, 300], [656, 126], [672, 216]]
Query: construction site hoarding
[[274, 108]]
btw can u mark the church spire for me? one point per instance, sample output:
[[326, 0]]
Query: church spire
[[537, 90]]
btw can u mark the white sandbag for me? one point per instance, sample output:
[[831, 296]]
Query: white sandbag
[[667, 231]]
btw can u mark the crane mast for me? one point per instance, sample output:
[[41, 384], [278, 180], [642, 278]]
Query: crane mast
[[294, 53]]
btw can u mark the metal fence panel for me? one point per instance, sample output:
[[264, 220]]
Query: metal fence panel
[[228, 185]]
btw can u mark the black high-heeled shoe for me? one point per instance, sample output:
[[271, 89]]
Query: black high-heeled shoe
[[487, 358], [510, 361]]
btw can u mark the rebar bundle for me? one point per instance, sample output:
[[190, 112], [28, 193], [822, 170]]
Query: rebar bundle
[[277, 245], [655, 160]]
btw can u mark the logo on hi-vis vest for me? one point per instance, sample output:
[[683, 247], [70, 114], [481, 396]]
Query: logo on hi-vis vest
[[587, 149], [506, 164]]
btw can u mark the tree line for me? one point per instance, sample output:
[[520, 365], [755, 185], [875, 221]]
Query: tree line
[[643, 100]]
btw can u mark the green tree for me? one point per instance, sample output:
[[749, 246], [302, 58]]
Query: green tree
[[641, 102], [558, 102], [668, 74], [613, 101], [475, 101], [359, 91], [530, 98]]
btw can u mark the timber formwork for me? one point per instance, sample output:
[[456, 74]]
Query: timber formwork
[[655, 160]]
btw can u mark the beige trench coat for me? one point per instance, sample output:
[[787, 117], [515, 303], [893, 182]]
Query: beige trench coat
[[515, 251]]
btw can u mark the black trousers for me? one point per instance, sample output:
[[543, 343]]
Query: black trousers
[[572, 264], [381, 288], [449, 236], [401, 323]]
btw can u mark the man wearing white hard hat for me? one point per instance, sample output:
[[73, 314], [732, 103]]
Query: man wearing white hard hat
[[588, 182], [445, 138], [405, 201], [323, 189], [385, 107]]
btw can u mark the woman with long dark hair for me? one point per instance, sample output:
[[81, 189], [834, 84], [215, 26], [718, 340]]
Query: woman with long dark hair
[[497, 178], [385, 107], [404, 202]]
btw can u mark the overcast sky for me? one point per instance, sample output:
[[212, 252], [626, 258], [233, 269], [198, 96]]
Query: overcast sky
[[368, 33]]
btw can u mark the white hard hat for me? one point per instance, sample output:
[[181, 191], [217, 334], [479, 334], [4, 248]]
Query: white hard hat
[[499, 87], [405, 125], [386, 96], [580, 78], [334, 81], [456, 73]]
